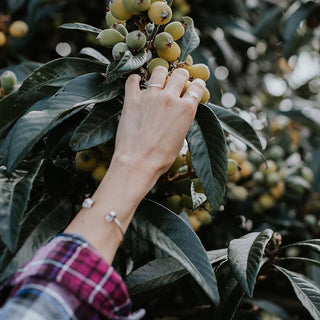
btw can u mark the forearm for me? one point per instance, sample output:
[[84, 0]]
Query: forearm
[[121, 190]]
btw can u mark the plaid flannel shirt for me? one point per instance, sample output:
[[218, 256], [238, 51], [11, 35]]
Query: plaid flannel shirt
[[66, 279]]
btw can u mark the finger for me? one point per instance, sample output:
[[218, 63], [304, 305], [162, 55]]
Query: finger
[[195, 92], [158, 77], [177, 81], [132, 85]]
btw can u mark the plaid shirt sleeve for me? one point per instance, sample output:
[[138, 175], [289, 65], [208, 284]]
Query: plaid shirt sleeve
[[66, 279]]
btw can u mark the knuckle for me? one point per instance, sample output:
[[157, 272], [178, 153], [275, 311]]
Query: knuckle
[[182, 72], [199, 83]]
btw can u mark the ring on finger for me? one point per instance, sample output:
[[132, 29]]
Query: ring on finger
[[194, 94], [156, 85]]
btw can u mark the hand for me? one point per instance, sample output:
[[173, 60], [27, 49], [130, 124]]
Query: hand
[[155, 121]]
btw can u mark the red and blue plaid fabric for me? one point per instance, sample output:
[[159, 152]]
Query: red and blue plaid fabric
[[66, 279]]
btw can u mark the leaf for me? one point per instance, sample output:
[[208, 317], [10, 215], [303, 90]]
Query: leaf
[[301, 259], [37, 85], [38, 231], [190, 39], [80, 26], [15, 192], [307, 291], [197, 198], [22, 70], [14, 5], [209, 154], [98, 127], [245, 256], [237, 127], [292, 24], [312, 244], [94, 54], [127, 64], [34, 124], [171, 234], [269, 18]]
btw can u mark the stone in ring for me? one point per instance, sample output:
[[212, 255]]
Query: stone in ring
[[155, 85], [194, 94]]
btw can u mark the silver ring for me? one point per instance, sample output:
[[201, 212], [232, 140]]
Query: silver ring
[[155, 85], [194, 94]]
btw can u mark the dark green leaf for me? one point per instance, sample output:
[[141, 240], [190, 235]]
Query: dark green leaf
[[269, 18], [94, 54], [34, 124], [98, 127], [293, 22], [237, 127], [15, 192], [80, 26], [245, 257], [190, 39], [307, 291], [171, 234], [272, 308], [209, 154], [312, 244], [127, 64], [301, 259]]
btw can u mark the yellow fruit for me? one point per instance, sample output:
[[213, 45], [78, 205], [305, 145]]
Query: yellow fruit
[[106, 152], [3, 39], [188, 159], [272, 179], [86, 160], [185, 8], [278, 190], [245, 169], [119, 11], [189, 60], [157, 62], [239, 156], [130, 7], [110, 37], [18, 29], [159, 13], [195, 223], [176, 29], [99, 172], [170, 54], [179, 162], [206, 96], [266, 201], [141, 5], [111, 20], [232, 167], [268, 167], [199, 70], [236, 177], [203, 216], [238, 193]]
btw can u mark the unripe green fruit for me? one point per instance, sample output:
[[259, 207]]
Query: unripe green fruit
[[272, 179], [307, 174], [141, 5], [186, 201], [178, 162], [159, 13], [176, 29], [255, 158], [110, 37], [119, 11], [3, 39], [174, 203], [130, 7], [276, 153], [170, 54], [136, 40], [258, 177], [269, 166], [118, 50], [197, 185], [163, 41], [199, 70], [8, 81], [188, 159], [99, 172], [86, 160], [233, 167], [110, 19], [18, 29], [238, 193], [157, 62], [120, 28]]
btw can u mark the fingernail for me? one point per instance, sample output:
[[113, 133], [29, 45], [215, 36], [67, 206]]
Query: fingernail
[[200, 82]]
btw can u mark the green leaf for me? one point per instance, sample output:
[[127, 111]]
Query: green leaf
[[15, 192], [245, 257], [307, 291], [98, 127], [171, 234], [237, 127], [292, 24], [190, 39], [34, 124], [127, 64], [312, 244], [45, 220], [269, 18], [80, 26], [94, 54], [38, 85], [301, 259], [209, 154]]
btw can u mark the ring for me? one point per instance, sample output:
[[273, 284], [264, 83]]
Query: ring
[[155, 85], [194, 94]]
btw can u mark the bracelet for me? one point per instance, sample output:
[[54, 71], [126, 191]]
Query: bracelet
[[110, 216]]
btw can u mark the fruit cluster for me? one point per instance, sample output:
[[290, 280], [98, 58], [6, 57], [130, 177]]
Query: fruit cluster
[[17, 29], [265, 183], [162, 47], [8, 82]]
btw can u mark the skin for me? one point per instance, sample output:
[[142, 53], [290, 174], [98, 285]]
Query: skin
[[139, 158]]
